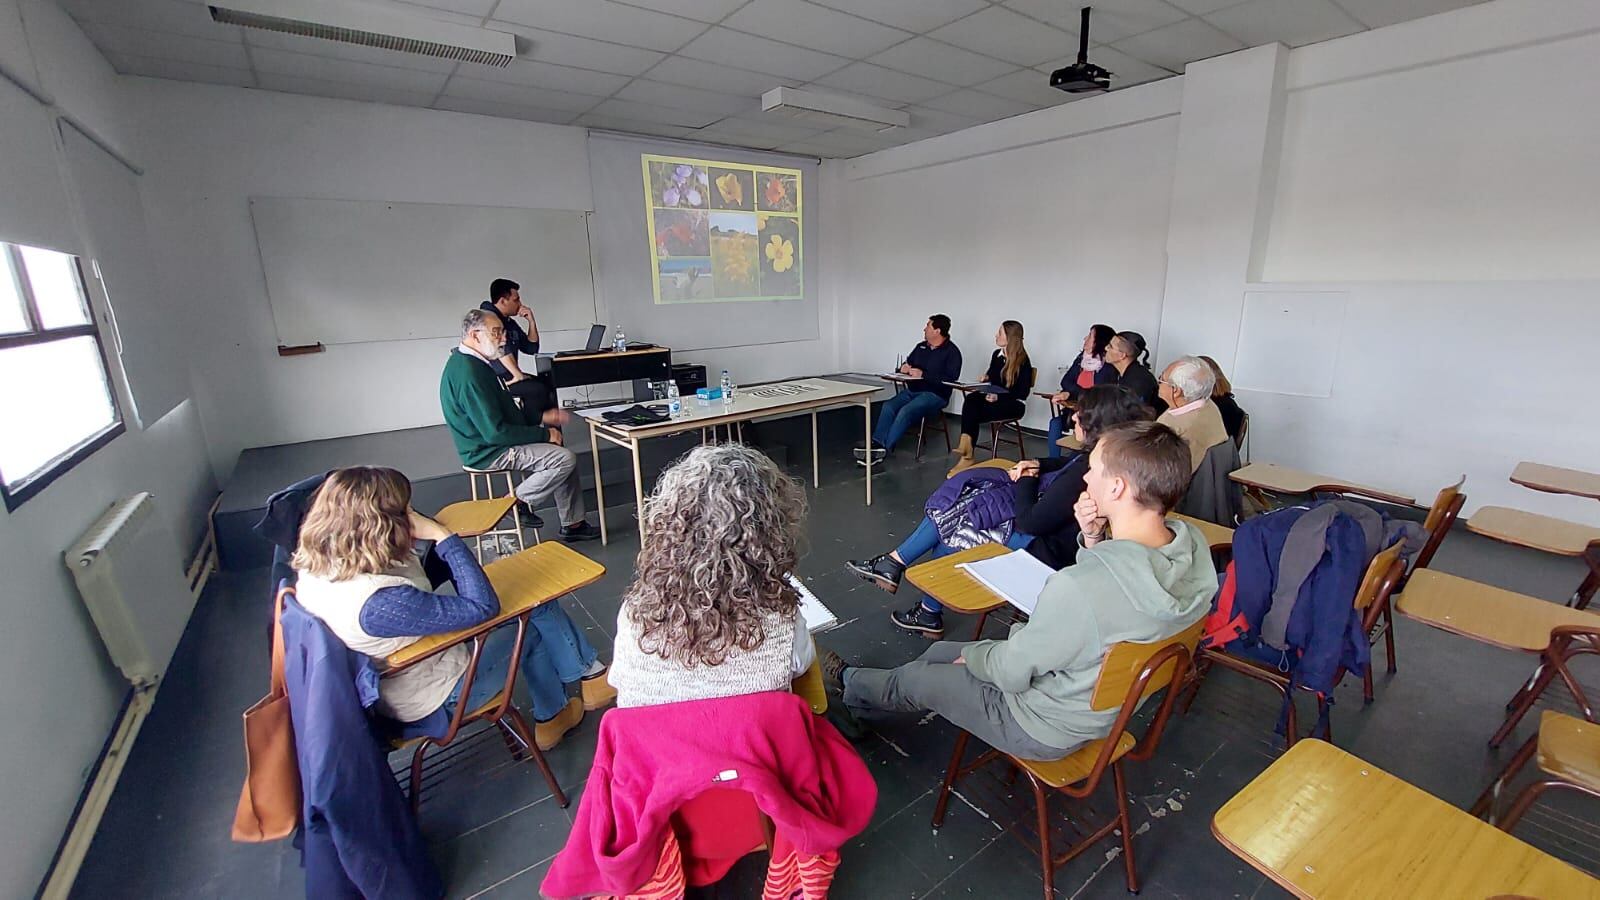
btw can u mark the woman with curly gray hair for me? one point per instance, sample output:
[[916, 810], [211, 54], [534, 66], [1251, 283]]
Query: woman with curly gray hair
[[710, 612]]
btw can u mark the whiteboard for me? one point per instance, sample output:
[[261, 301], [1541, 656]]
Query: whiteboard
[[1289, 342], [350, 271]]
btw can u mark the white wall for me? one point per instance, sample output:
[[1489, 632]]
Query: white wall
[[58, 689]]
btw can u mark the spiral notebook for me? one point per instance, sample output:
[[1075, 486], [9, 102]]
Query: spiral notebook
[[1018, 577]]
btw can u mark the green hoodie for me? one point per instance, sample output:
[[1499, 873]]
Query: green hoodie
[[1118, 591]]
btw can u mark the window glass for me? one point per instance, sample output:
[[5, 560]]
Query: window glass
[[55, 398], [12, 319], [57, 291]]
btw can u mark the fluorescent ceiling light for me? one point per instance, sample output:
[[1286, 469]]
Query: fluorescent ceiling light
[[833, 109], [371, 26]]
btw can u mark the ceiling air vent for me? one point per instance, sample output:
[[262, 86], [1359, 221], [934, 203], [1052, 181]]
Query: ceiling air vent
[[371, 26]]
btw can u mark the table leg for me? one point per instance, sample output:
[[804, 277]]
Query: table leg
[[599, 485], [866, 407], [638, 484], [816, 466]]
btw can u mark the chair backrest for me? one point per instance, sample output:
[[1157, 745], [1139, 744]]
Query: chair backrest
[[1383, 571], [1244, 432], [1126, 661], [1441, 517]]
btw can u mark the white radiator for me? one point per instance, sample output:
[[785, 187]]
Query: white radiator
[[132, 580]]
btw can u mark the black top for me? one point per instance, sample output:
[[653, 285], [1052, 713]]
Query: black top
[[1232, 415], [1048, 516], [1142, 382], [938, 364], [1106, 374], [516, 340], [996, 376]]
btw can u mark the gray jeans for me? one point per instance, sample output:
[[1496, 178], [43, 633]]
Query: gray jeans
[[552, 470], [934, 683]]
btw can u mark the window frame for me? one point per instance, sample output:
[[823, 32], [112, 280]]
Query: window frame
[[15, 495]]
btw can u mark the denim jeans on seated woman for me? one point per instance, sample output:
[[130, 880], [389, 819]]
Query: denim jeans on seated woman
[[554, 654], [1059, 425], [926, 538]]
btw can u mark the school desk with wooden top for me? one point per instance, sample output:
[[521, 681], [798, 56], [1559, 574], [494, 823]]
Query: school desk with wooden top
[[1275, 479]]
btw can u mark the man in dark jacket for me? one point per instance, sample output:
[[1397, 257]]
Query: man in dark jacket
[[932, 363]]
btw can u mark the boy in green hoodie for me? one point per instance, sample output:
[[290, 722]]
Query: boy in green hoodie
[[1028, 695]]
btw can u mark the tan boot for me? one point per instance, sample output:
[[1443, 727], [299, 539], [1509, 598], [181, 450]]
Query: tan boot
[[964, 449], [962, 464], [598, 692], [548, 734]]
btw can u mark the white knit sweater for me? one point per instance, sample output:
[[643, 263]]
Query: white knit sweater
[[645, 679]]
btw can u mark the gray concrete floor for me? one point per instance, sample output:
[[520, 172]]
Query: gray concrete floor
[[493, 827]]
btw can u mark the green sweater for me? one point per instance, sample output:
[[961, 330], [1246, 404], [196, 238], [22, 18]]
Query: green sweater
[[1117, 591], [484, 421]]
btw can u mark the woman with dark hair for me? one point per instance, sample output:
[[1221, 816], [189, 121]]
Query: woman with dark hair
[[1086, 371], [1127, 355], [970, 509], [1222, 396], [710, 612], [1005, 392]]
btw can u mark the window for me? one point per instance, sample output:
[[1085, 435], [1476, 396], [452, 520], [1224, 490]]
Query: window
[[57, 405]]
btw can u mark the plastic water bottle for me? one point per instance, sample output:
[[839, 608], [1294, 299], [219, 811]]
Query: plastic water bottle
[[674, 403], [727, 388], [620, 342]]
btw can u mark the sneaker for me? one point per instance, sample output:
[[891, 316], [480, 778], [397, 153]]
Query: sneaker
[[883, 571], [920, 619], [878, 456], [530, 519], [582, 531], [597, 692], [833, 666], [549, 733]]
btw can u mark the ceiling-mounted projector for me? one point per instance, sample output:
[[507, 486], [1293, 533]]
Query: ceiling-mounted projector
[[1082, 76]]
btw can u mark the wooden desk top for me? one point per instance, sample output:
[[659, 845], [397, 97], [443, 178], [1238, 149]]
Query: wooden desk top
[[1070, 442], [1556, 480], [753, 402], [953, 587], [1526, 529], [1277, 479], [1502, 618], [1325, 824], [525, 580], [470, 518], [1215, 535]]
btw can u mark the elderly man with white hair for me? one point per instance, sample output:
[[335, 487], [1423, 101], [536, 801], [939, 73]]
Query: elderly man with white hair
[[1185, 386]]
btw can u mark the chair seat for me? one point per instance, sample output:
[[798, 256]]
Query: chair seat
[[1569, 748], [1526, 529], [1075, 766], [470, 518], [480, 712], [1484, 613]]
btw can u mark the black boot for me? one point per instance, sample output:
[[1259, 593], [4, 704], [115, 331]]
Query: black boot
[[920, 619], [884, 571]]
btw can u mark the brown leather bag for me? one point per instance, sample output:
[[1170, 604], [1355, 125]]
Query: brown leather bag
[[269, 804]]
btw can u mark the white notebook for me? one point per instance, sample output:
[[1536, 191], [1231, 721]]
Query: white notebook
[[1018, 577], [818, 617]]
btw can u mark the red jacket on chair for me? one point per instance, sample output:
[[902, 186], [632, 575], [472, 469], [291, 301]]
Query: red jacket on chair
[[652, 760]]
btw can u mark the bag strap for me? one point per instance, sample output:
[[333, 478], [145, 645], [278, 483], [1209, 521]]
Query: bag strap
[[279, 684]]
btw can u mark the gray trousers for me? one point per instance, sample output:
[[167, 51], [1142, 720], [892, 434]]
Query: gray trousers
[[552, 470], [934, 683]]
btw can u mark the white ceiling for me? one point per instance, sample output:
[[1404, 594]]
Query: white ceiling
[[696, 68]]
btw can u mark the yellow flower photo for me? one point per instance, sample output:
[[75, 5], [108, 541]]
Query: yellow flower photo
[[781, 253]]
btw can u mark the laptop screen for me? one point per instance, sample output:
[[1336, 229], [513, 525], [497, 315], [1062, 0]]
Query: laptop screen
[[597, 333]]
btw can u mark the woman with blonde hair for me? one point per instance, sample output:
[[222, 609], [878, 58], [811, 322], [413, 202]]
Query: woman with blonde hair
[[710, 612], [1005, 391], [359, 572]]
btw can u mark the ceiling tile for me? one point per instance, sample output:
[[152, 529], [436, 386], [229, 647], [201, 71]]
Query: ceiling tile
[[1006, 35], [913, 15], [273, 40], [1201, 7], [712, 77], [941, 62], [479, 8], [711, 134], [876, 81], [857, 143], [166, 45], [551, 76], [603, 20], [518, 94], [442, 15], [504, 110], [1125, 70], [175, 16], [744, 51], [633, 126], [983, 107], [819, 28], [570, 50], [649, 112], [180, 71], [1293, 22], [322, 68], [1378, 13], [780, 128], [1175, 46], [370, 93], [680, 97], [1027, 86], [938, 121], [703, 10], [1113, 20]]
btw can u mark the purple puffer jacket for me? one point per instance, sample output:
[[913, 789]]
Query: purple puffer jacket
[[996, 503]]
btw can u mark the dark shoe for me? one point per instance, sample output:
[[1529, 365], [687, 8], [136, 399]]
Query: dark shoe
[[582, 531], [878, 456], [920, 619], [530, 519], [833, 666], [884, 571]]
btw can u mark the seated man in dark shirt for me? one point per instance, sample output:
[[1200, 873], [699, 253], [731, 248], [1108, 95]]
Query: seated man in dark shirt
[[534, 392], [932, 363]]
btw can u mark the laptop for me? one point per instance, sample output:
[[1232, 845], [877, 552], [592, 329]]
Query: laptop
[[597, 335]]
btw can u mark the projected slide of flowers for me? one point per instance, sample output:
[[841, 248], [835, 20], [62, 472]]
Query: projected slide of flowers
[[722, 231]]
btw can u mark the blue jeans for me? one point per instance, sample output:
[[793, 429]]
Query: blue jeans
[[554, 654], [926, 538], [902, 411], [1058, 427]]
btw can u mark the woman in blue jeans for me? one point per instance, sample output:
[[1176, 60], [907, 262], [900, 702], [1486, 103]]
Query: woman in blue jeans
[[360, 574], [1040, 505]]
